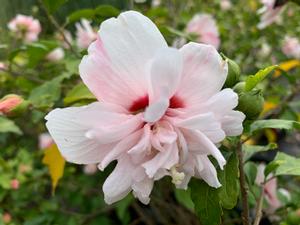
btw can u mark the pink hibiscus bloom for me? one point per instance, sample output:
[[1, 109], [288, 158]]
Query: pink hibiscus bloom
[[270, 188], [161, 111], [25, 27], [206, 28], [269, 13], [291, 47], [85, 34]]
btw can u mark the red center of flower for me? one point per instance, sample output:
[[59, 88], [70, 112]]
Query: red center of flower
[[141, 103]]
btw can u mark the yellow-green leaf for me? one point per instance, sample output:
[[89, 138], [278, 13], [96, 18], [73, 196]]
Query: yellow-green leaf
[[56, 164]]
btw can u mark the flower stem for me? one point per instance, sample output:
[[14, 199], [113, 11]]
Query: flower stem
[[259, 206], [243, 186]]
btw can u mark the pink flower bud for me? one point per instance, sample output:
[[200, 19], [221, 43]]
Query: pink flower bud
[[90, 169], [56, 55], [45, 141], [14, 184], [9, 103], [6, 218]]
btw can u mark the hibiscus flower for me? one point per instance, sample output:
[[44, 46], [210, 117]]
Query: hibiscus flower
[[160, 111]]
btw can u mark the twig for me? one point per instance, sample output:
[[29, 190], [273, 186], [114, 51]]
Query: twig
[[58, 27], [143, 216], [244, 191], [259, 206]]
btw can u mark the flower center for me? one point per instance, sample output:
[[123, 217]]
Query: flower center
[[141, 103]]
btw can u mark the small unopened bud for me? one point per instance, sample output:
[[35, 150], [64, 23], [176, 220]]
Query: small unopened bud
[[12, 105], [251, 103], [90, 169], [177, 177], [14, 184], [234, 72], [6, 218]]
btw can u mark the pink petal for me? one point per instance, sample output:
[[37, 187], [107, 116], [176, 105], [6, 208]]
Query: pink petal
[[142, 190], [162, 160], [165, 74], [204, 73], [119, 182], [69, 126], [208, 172]]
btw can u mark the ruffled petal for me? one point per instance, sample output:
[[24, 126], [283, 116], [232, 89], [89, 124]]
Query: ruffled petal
[[69, 128], [118, 184], [165, 75], [204, 73], [208, 172]]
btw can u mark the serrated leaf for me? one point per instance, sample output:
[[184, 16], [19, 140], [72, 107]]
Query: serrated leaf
[[228, 177], [78, 93], [250, 150], [207, 202], [253, 80], [45, 95], [8, 126], [56, 164], [274, 123], [288, 165]]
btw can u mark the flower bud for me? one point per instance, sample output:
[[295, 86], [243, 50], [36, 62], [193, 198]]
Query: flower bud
[[14, 184], [6, 218], [233, 73], [251, 103], [12, 105]]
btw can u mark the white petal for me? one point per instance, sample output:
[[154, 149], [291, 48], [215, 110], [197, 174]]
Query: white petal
[[165, 74], [204, 73], [200, 144], [123, 146], [208, 173], [163, 160], [206, 123], [69, 126], [119, 182], [232, 123], [130, 41], [142, 190]]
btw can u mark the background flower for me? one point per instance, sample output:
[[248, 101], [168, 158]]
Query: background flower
[[25, 27]]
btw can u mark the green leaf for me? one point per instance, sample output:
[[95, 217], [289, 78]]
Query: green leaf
[[107, 11], [228, 177], [253, 80], [78, 93], [83, 13], [7, 125], [207, 202], [184, 198], [53, 5], [271, 167], [288, 165], [122, 209], [250, 169], [250, 150], [45, 95], [274, 123]]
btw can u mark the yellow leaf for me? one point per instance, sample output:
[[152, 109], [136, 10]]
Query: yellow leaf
[[286, 66], [56, 164], [271, 135], [268, 106]]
